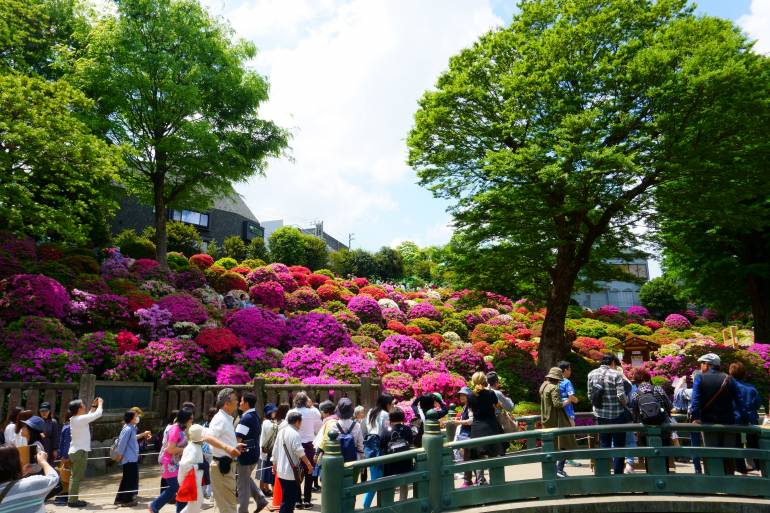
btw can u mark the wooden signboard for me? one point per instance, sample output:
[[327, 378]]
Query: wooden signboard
[[637, 350]]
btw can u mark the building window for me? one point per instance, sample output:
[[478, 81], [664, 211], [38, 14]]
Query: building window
[[190, 217], [638, 270]]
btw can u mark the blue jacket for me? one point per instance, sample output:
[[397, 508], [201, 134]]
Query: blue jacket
[[248, 431], [722, 409], [746, 404], [128, 446], [64, 441]]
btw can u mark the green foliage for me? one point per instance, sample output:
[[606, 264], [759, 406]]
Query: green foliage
[[325, 272], [213, 250], [389, 263], [226, 262], [456, 325], [574, 312], [316, 255], [371, 330], [177, 262], [588, 327], [662, 296], [340, 263], [253, 263], [523, 408], [57, 177], [138, 248], [234, 247], [427, 326], [638, 329], [286, 246], [182, 237], [362, 263], [172, 83], [257, 249], [551, 134]]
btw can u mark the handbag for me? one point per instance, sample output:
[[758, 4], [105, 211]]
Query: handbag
[[507, 424], [188, 492], [294, 468]]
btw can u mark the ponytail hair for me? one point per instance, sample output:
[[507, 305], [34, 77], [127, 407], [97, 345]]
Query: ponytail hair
[[479, 382]]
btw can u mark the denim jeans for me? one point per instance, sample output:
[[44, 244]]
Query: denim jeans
[[375, 472], [696, 440], [167, 495], [618, 439]]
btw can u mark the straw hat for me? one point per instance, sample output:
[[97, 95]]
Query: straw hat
[[555, 373], [195, 433]]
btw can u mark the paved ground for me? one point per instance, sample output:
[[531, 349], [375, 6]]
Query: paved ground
[[100, 492]]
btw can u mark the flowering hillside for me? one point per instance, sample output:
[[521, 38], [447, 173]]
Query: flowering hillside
[[64, 313]]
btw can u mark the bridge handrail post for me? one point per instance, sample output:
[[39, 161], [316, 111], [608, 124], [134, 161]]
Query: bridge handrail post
[[433, 444], [332, 473], [764, 444]]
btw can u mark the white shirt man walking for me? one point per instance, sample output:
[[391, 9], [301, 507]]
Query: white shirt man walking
[[287, 455], [222, 428]]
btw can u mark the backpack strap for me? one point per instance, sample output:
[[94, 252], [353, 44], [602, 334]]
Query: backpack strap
[[7, 489], [342, 431]]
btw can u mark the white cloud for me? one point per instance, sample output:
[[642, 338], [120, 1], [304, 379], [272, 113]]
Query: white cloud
[[346, 77], [757, 25]]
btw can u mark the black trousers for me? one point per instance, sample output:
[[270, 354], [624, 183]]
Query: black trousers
[[128, 484], [290, 490], [308, 478]]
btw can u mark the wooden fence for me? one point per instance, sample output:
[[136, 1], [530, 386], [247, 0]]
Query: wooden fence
[[165, 398], [172, 397]]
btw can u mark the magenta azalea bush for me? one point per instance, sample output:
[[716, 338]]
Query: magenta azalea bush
[[99, 349], [53, 365], [154, 322], [446, 384], [318, 330], [257, 327], [607, 310], [32, 294], [676, 322], [258, 359], [176, 361], [366, 309], [349, 364], [638, 311], [304, 362], [463, 360], [426, 310], [269, 294], [261, 275], [184, 308], [228, 374], [130, 366], [32, 332], [399, 385], [303, 299], [418, 367], [402, 347]]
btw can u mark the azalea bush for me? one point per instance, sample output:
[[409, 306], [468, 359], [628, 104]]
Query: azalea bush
[[229, 374], [349, 364], [366, 308], [176, 361], [304, 362], [257, 327], [269, 294], [446, 384], [219, 343], [318, 330], [401, 347], [463, 360], [32, 294], [53, 365], [184, 308], [399, 385]]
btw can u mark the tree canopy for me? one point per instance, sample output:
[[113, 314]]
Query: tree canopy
[[551, 134], [172, 87]]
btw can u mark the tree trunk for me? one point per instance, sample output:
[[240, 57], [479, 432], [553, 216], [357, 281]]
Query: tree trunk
[[161, 239], [759, 293], [553, 345]]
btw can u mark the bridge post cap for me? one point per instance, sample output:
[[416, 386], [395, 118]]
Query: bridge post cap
[[434, 414], [333, 435], [432, 425]]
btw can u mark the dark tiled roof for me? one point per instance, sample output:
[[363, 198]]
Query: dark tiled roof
[[236, 205]]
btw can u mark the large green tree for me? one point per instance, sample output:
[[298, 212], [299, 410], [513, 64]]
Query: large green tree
[[286, 246], [172, 85], [389, 264], [551, 134], [718, 246]]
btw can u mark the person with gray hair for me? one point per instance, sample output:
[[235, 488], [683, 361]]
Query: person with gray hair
[[311, 425], [222, 429]]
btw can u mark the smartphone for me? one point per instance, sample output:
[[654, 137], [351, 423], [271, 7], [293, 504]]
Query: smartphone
[[33, 453]]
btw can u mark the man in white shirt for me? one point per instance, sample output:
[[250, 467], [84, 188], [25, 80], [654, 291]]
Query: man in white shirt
[[287, 455], [311, 425], [222, 428], [80, 446]]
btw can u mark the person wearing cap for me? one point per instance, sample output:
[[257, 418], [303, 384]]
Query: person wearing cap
[[247, 432], [506, 403], [713, 396], [553, 415], [52, 432], [329, 418], [128, 450], [607, 382], [266, 441], [80, 445], [192, 461], [465, 421]]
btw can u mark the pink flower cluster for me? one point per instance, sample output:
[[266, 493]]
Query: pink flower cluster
[[676, 322], [402, 347]]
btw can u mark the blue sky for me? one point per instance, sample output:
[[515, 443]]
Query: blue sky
[[345, 78]]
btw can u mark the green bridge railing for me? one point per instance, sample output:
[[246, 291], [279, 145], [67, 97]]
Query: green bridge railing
[[436, 490]]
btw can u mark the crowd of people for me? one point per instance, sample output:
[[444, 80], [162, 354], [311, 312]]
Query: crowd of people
[[239, 456]]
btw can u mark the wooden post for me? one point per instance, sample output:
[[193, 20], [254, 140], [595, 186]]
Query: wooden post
[[87, 390], [366, 393], [332, 473], [33, 399], [259, 391], [161, 401]]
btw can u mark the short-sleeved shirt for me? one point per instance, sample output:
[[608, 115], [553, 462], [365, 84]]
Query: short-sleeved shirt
[[28, 494], [566, 389], [169, 465]]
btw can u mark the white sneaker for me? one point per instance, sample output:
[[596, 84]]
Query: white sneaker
[[629, 469]]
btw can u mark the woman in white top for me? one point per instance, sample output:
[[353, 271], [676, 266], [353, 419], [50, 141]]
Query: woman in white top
[[311, 424], [27, 494], [10, 426], [377, 419], [266, 442]]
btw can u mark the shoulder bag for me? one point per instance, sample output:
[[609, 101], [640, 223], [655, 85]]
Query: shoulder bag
[[294, 468]]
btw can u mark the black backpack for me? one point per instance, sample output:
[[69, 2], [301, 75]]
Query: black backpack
[[397, 443], [649, 408], [596, 393]]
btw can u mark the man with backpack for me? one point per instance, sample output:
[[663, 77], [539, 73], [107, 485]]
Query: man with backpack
[[608, 398], [650, 405], [395, 438], [713, 396], [248, 432]]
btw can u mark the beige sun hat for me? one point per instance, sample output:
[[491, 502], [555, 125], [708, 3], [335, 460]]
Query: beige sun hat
[[195, 433], [555, 373]]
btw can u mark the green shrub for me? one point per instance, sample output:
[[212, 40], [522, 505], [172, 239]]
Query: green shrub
[[138, 248], [662, 296], [426, 326], [574, 312], [455, 325], [588, 327], [325, 272], [234, 247], [638, 329], [524, 408], [226, 262], [612, 343], [177, 261], [253, 263], [371, 330]]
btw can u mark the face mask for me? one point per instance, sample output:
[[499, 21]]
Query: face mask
[[138, 419]]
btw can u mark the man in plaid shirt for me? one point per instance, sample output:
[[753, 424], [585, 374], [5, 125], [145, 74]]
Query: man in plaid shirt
[[612, 409]]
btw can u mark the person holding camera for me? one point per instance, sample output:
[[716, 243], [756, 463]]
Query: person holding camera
[[80, 445], [20, 493]]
